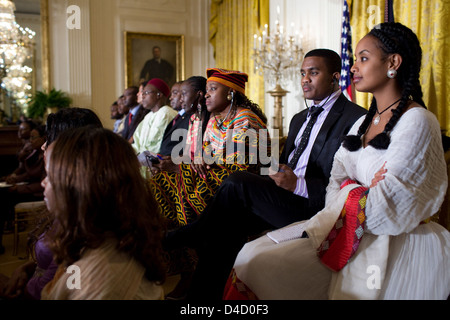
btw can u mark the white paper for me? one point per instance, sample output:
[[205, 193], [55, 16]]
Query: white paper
[[290, 232]]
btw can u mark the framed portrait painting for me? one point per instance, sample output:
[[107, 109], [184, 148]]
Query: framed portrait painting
[[151, 56]]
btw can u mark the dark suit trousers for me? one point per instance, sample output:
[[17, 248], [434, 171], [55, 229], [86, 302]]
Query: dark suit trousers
[[246, 204]]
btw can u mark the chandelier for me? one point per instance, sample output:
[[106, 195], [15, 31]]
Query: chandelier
[[278, 56], [16, 46]]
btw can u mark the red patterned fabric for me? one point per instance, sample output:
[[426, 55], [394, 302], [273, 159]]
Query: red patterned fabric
[[235, 289], [230, 78], [344, 238]]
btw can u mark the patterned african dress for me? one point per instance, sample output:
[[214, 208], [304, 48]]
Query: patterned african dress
[[230, 147]]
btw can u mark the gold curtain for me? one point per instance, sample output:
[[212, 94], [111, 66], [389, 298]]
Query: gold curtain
[[232, 26], [428, 20], [364, 15]]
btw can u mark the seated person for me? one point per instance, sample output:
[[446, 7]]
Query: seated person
[[181, 121], [193, 119], [137, 114], [119, 124], [28, 280], [175, 95], [193, 110], [30, 169], [133, 100], [25, 182], [185, 197], [150, 132], [23, 133], [388, 178], [182, 193], [114, 241], [199, 120], [115, 115]]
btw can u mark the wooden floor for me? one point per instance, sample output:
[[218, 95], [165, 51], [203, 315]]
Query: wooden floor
[[8, 262]]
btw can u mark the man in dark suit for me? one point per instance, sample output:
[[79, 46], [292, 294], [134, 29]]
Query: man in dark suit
[[181, 121], [133, 98], [247, 204]]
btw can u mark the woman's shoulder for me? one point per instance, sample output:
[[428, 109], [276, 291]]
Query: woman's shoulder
[[356, 125], [417, 123], [244, 116], [245, 112], [417, 115], [193, 117]]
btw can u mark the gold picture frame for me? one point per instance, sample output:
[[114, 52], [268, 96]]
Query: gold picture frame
[[139, 57], [45, 56]]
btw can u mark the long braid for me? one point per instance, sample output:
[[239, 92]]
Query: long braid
[[198, 83], [353, 142], [244, 102], [394, 38]]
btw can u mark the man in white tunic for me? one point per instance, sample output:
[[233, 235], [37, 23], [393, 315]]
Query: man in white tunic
[[150, 132]]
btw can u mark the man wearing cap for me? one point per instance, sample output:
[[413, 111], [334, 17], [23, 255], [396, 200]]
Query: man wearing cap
[[150, 131]]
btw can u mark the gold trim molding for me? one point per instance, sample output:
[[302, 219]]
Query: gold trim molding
[[45, 63]]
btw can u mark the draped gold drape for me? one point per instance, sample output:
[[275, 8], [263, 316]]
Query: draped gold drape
[[232, 26], [428, 19]]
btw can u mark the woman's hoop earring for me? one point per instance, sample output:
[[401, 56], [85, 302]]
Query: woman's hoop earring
[[392, 73]]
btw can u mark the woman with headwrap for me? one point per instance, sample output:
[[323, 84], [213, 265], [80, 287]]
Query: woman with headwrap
[[229, 144]]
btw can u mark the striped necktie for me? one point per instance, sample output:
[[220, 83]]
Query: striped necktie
[[314, 113]]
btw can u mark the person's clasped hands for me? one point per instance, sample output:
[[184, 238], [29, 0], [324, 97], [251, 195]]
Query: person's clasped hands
[[165, 164], [284, 178]]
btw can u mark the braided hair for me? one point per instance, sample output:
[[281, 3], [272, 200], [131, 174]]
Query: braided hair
[[198, 83], [393, 37], [244, 102]]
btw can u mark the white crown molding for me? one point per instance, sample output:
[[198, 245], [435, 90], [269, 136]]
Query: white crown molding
[[154, 5]]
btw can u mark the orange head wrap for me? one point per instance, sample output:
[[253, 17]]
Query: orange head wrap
[[233, 79]]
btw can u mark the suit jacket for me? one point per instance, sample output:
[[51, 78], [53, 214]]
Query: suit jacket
[[129, 129], [167, 144], [343, 114]]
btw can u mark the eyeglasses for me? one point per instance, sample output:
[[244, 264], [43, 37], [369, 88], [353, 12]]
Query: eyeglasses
[[145, 93]]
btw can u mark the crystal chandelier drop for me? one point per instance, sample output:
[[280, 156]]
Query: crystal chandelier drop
[[7, 20], [16, 46]]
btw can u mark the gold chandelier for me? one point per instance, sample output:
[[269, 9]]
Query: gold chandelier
[[16, 46]]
